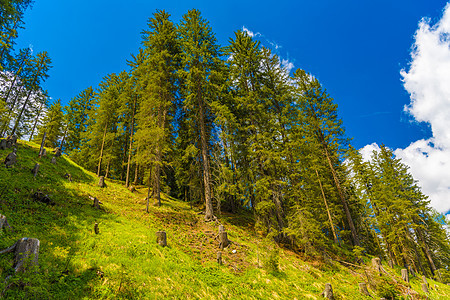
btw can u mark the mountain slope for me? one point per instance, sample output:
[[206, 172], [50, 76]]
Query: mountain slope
[[124, 260]]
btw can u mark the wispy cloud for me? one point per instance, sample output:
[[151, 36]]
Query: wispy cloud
[[286, 63]]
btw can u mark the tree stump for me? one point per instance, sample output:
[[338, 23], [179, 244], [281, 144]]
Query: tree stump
[[96, 228], [57, 152], [101, 181], [363, 289], [11, 159], [2, 144], [41, 197], [132, 189], [4, 222], [328, 292], [96, 203], [424, 279], [424, 288], [161, 238], [35, 170], [44, 152], [53, 160], [405, 275], [376, 265], [221, 228], [26, 254], [219, 258], [223, 240], [390, 263], [68, 176]]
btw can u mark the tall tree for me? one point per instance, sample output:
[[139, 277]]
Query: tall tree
[[327, 130], [200, 65], [158, 94]]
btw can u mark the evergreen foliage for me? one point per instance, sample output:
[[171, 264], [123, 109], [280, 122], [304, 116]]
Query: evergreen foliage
[[233, 131]]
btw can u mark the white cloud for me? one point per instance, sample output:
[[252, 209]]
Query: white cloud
[[250, 33], [428, 83], [367, 151]]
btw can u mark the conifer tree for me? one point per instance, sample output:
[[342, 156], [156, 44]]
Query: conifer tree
[[41, 66], [52, 125], [158, 89], [200, 66], [77, 118], [325, 127]]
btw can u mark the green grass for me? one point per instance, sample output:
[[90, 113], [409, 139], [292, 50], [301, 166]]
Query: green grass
[[124, 262]]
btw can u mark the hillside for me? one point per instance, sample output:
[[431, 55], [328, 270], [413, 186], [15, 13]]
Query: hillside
[[124, 260]]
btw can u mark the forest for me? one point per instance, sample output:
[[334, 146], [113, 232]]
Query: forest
[[229, 129]]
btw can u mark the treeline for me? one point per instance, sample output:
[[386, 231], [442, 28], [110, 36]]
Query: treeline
[[229, 128], [23, 102]]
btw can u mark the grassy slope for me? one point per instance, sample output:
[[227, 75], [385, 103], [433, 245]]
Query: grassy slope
[[124, 261]]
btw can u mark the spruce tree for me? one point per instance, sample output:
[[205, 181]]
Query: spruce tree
[[200, 71], [157, 86]]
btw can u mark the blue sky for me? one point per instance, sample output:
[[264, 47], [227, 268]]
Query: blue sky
[[355, 48]]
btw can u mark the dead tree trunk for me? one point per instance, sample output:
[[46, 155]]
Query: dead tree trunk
[[425, 288], [328, 292], [161, 238]]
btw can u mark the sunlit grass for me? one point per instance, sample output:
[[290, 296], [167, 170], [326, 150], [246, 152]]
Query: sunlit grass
[[124, 261]]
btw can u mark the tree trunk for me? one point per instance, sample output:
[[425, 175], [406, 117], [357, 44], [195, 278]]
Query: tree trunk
[[209, 214], [41, 150], [64, 137], [101, 151], [342, 197], [328, 210], [35, 122], [127, 180]]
